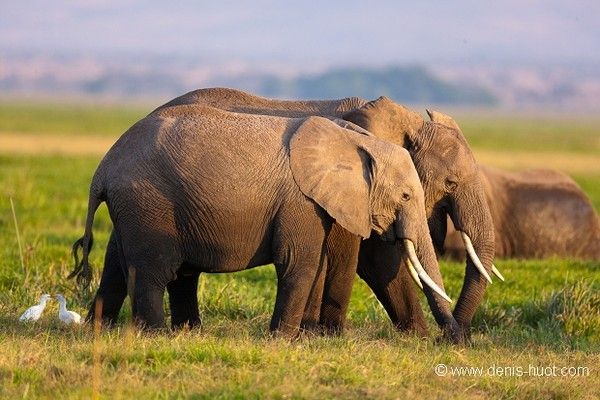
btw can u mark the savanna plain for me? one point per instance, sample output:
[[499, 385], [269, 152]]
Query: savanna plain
[[545, 316]]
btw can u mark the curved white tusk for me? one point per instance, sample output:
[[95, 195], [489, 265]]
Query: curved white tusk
[[413, 273], [473, 255], [497, 273], [412, 255]]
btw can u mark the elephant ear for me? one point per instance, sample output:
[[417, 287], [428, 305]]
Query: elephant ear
[[442, 119], [330, 168]]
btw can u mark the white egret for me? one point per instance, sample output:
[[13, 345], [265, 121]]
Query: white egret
[[66, 316], [34, 313]]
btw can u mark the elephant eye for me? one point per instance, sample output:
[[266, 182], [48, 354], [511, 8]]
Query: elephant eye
[[450, 185], [405, 196]]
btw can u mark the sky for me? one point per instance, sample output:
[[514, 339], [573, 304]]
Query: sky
[[331, 32]]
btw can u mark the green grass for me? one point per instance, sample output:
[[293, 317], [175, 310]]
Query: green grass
[[591, 186], [68, 119], [564, 134], [546, 314]]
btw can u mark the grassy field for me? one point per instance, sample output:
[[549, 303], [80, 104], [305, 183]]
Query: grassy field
[[545, 317]]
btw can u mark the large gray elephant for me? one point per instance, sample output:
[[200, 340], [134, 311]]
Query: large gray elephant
[[452, 186], [537, 214], [215, 191]]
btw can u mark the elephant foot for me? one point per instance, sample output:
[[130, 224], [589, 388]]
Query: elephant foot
[[289, 331], [321, 329], [455, 335], [190, 324], [106, 311], [105, 322], [150, 327], [417, 328], [333, 329], [311, 326], [289, 334]]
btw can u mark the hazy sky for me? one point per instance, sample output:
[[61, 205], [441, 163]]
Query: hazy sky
[[373, 32]]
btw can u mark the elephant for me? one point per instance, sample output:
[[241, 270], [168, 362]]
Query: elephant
[[452, 186], [536, 214], [198, 189]]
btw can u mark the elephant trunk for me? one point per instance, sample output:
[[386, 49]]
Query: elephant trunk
[[477, 230]]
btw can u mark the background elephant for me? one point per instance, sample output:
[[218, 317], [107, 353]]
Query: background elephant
[[452, 185], [242, 102], [193, 188], [536, 213]]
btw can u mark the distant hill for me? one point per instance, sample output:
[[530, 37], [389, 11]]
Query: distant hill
[[163, 77], [412, 84], [152, 78]]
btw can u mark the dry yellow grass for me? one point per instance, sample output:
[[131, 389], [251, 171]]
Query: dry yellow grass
[[39, 144], [569, 162]]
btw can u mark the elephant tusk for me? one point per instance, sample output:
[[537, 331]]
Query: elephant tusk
[[497, 272], [473, 255], [412, 255], [413, 273]]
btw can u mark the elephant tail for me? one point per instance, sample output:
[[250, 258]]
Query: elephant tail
[[82, 269]]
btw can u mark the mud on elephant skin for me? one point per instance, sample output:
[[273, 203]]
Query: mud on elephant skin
[[186, 185], [537, 214], [452, 186]]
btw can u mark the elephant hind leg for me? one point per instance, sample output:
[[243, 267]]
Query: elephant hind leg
[[149, 272], [312, 311], [342, 259], [113, 286], [146, 298], [183, 299], [294, 283]]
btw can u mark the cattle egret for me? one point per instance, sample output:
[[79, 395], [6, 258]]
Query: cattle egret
[[66, 316], [35, 312]]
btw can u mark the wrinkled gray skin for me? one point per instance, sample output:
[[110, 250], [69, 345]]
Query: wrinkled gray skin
[[452, 187], [449, 175], [194, 189], [537, 214]]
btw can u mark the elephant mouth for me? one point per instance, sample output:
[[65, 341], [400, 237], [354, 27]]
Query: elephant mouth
[[417, 272], [384, 228], [437, 223]]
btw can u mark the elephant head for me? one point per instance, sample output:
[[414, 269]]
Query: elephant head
[[451, 183], [367, 184]]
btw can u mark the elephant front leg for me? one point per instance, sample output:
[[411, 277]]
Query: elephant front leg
[[383, 268], [113, 287], [183, 299]]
